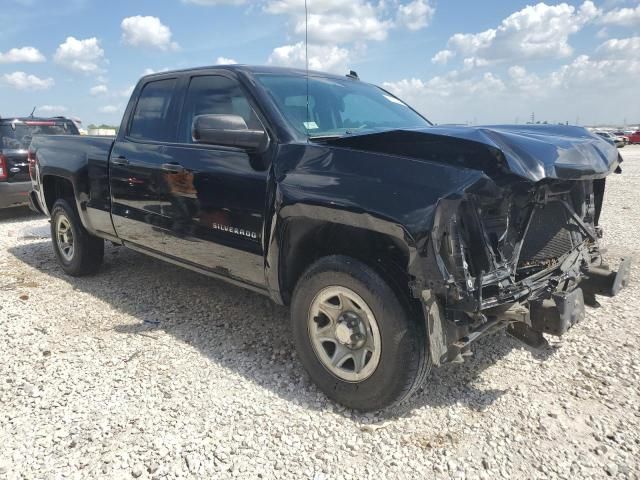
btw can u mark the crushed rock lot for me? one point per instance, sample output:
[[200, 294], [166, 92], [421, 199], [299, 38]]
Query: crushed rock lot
[[150, 371]]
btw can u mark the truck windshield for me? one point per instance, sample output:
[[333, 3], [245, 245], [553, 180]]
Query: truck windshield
[[17, 135], [338, 107]]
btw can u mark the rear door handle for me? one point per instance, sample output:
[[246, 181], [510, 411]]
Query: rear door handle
[[173, 167], [120, 161]]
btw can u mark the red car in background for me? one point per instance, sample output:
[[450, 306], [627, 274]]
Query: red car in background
[[634, 137]]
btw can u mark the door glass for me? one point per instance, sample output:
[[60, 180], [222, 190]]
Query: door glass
[[213, 94], [151, 119]]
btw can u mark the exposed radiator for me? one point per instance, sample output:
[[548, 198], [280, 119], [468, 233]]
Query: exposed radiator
[[549, 235]]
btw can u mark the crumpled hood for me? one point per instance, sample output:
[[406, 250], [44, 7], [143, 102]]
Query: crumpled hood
[[534, 152]]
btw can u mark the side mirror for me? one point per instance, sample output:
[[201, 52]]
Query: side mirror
[[229, 131]]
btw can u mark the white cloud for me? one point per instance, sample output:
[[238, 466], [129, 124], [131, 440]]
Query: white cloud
[[628, 47], [415, 15], [23, 81], [624, 17], [443, 56], [587, 75], [536, 31], [473, 62], [149, 32], [337, 21], [338, 29], [85, 56], [126, 93], [109, 109], [468, 95], [151, 71], [225, 61], [99, 90], [525, 82], [52, 109], [334, 21], [22, 55], [452, 84], [331, 59]]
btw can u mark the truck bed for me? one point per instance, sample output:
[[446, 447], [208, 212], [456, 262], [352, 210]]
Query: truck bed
[[67, 156]]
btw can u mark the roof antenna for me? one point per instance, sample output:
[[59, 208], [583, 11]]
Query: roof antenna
[[33, 111], [306, 59]]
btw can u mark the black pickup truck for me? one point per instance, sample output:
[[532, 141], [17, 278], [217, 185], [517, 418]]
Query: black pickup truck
[[395, 242]]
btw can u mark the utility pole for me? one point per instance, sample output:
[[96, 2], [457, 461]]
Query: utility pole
[[533, 117]]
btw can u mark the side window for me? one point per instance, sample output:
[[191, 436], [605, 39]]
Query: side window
[[213, 94], [151, 118]]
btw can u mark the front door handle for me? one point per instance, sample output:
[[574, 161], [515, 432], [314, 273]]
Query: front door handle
[[120, 161], [173, 167]]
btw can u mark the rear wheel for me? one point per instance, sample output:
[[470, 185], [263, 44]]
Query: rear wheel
[[78, 252], [355, 336]]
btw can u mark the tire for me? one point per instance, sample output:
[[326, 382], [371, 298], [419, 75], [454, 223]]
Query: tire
[[78, 253], [402, 363]]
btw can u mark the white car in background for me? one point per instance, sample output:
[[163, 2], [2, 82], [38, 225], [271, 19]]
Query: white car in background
[[611, 138]]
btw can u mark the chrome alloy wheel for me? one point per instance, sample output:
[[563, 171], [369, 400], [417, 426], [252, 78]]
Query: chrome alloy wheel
[[344, 334], [64, 237]]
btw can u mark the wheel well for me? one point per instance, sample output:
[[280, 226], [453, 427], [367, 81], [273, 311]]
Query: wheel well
[[307, 240], [56, 188]]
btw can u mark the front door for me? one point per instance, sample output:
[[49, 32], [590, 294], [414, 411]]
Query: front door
[[217, 194], [137, 182]]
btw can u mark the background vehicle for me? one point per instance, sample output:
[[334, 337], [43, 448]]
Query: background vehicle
[[612, 139], [634, 137], [396, 244], [622, 136], [15, 137]]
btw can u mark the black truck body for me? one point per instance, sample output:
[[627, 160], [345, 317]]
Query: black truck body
[[477, 228]]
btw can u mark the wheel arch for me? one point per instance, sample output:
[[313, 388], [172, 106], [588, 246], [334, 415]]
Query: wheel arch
[[55, 187], [304, 240]]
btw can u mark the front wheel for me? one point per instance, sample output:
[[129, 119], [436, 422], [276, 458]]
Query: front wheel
[[355, 336], [78, 252]]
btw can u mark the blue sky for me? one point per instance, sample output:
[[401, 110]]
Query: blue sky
[[457, 62]]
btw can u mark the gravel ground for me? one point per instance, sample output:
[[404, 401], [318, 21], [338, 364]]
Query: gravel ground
[[150, 371]]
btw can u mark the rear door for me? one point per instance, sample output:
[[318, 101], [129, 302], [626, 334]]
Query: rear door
[[217, 194], [138, 187]]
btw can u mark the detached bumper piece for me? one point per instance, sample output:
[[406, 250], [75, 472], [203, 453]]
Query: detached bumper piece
[[559, 313], [602, 281], [554, 316], [563, 310]]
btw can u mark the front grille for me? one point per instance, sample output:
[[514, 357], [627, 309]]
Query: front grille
[[549, 236]]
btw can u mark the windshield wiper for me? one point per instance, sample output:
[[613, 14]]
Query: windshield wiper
[[325, 137]]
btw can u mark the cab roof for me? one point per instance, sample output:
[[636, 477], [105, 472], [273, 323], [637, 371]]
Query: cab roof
[[254, 69]]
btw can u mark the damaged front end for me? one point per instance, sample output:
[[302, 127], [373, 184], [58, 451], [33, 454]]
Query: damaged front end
[[518, 246], [527, 260]]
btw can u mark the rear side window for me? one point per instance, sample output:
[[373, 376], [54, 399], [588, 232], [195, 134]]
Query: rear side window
[[151, 119]]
